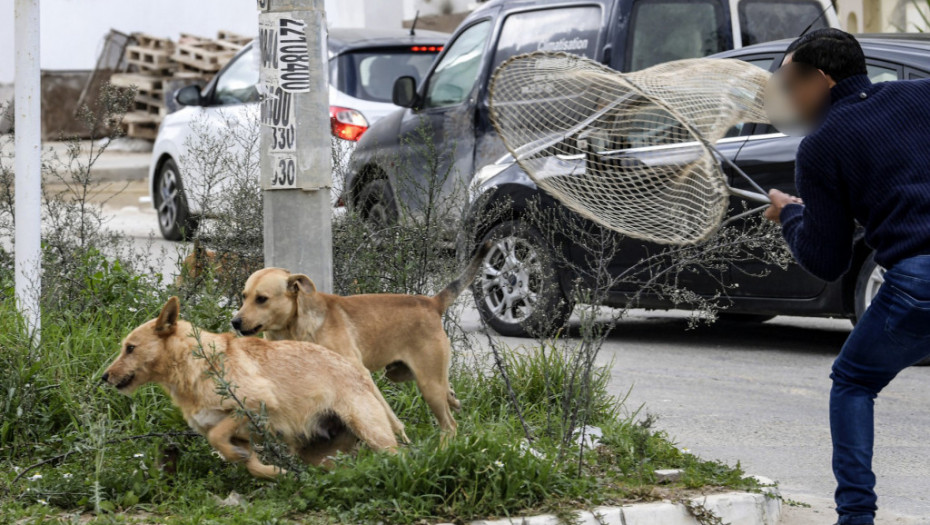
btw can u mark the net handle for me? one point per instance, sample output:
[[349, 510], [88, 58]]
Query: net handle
[[749, 195], [756, 196]]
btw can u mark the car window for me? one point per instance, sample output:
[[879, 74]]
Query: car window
[[237, 84], [454, 77], [666, 30], [572, 30], [879, 73], [916, 75], [370, 74], [744, 128], [767, 20]]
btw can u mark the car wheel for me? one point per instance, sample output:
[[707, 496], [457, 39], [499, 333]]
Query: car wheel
[[376, 204], [731, 317], [517, 290], [870, 279], [174, 218]]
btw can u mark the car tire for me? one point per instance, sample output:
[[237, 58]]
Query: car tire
[[868, 281], [731, 317], [517, 290], [174, 218], [376, 204]]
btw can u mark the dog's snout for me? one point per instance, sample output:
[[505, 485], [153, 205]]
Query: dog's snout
[[105, 377], [237, 323]]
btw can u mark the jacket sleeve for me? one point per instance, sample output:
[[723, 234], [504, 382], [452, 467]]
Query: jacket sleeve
[[819, 233]]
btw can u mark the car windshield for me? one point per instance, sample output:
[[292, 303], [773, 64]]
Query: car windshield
[[370, 75]]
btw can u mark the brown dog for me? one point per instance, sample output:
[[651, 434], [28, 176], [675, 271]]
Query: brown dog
[[402, 333], [195, 265], [319, 402]]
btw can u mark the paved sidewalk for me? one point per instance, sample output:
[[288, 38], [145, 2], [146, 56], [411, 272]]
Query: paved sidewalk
[[114, 164]]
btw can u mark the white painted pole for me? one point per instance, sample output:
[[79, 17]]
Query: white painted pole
[[28, 163]]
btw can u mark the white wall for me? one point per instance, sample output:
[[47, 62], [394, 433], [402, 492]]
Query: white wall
[[386, 14], [890, 16]]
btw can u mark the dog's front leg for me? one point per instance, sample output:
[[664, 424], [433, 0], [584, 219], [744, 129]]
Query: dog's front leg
[[221, 437]]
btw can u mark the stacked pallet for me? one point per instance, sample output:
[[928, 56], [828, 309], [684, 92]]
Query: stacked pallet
[[151, 54], [161, 66]]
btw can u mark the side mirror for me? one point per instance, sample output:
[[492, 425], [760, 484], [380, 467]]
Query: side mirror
[[188, 96], [405, 92]]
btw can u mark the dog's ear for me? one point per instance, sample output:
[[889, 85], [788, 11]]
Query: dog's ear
[[167, 322], [298, 283]]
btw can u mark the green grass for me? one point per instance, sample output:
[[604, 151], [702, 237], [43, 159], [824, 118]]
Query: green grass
[[53, 407]]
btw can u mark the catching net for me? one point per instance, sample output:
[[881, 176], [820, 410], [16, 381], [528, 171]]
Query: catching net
[[633, 152]]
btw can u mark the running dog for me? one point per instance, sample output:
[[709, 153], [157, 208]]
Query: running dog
[[402, 333], [319, 402]]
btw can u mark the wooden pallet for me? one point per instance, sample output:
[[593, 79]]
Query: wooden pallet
[[206, 56], [192, 76], [141, 125], [233, 38], [154, 106], [150, 84], [235, 47], [157, 61], [189, 38], [165, 66], [153, 42]]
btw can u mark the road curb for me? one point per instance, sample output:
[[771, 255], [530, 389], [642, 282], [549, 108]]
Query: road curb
[[128, 172], [734, 508]]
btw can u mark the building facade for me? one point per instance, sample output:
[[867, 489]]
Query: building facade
[[883, 16]]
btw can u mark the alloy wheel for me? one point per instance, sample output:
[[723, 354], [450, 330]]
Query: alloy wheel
[[511, 279], [169, 192]]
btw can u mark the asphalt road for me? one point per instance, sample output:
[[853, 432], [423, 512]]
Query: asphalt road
[[758, 394], [750, 393]]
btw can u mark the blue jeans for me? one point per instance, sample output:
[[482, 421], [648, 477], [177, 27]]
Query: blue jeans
[[893, 334]]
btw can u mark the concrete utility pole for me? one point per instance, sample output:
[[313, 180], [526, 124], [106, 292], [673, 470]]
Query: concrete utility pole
[[296, 160], [28, 163]]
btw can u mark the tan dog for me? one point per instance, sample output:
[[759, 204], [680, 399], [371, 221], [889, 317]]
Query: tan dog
[[402, 333], [318, 401], [199, 260]]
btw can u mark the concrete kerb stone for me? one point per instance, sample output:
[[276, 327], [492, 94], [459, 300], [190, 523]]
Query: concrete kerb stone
[[734, 508]]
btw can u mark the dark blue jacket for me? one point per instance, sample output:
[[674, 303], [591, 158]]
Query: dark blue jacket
[[869, 161]]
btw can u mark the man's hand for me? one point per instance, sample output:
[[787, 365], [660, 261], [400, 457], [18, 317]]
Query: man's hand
[[780, 199]]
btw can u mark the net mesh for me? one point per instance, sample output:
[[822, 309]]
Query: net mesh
[[627, 151]]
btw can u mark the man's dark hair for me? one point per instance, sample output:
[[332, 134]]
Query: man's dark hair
[[835, 52]]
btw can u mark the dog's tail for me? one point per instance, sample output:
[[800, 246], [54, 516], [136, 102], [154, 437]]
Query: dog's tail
[[447, 296]]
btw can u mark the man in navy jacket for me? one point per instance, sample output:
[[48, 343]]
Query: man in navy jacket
[[866, 161]]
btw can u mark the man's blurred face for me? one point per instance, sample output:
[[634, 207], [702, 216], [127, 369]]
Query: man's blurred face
[[807, 89]]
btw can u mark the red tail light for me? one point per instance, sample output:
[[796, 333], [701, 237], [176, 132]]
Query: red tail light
[[426, 49], [347, 123]]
